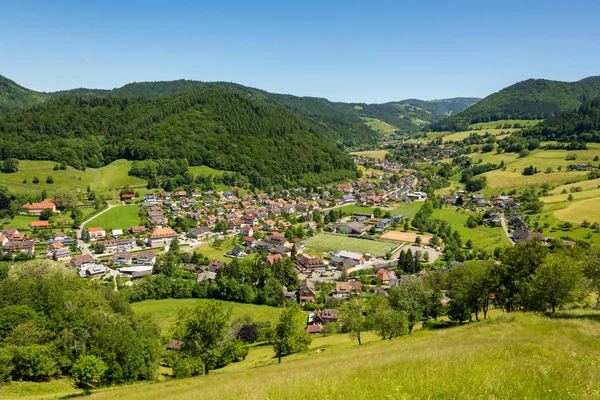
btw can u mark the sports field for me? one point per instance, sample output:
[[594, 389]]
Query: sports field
[[122, 217], [327, 242], [406, 236]]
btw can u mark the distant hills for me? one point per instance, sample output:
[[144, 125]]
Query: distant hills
[[14, 97], [343, 123], [530, 99]]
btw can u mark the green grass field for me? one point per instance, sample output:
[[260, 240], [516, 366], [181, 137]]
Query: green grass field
[[379, 126], [494, 124], [483, 237], [104, 180], [379, 154], [326, 242], [511, 356], [165, 312], [120, 217], [406, 209], [217, 252]]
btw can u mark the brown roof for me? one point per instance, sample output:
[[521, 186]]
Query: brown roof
[[313, 328], [40, 224], [165, 232], [174, 345]]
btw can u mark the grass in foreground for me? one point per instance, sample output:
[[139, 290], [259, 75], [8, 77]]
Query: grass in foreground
[[511, 356]]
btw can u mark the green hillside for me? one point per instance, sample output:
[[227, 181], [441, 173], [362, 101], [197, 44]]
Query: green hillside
[[13, 96], [266, 143], [509, 356], [336, 121], [530, 99], [412, 115]]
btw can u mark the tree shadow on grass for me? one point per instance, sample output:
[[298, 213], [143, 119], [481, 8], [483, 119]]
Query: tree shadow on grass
[[589, 315]]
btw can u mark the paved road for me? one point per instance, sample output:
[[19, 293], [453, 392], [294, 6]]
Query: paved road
[[505, 228], [80, 243]]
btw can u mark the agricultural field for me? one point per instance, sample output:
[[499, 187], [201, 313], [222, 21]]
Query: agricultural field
[[108, 179], [483, 237], [546, 161], [165, 312], [494, 124], [378, 154], [380, 126], [546, 357], [120, 217], [326, 242]]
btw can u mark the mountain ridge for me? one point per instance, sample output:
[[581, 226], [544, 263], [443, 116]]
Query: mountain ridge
[[529, 99]]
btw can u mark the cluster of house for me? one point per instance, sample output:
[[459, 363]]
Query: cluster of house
[[132, 265], [16, 242], [479, 200]]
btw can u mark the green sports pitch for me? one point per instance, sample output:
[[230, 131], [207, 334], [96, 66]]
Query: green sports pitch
[[326, 242]]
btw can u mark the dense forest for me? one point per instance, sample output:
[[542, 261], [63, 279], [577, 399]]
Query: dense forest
[[581, 125], [530, 99], [340, 122], [264, 142]]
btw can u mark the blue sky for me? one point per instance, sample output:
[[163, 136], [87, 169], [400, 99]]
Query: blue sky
[[364, 51]]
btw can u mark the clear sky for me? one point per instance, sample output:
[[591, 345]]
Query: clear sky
[[367, 51]]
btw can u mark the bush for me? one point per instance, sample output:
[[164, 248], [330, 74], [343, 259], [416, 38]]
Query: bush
[[49, 179], [35, 362], [248, 333]]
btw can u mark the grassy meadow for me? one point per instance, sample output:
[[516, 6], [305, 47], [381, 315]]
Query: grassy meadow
[[378, 154], [510, 356], [379, 126], [165, 312], [108, 179], [121, 217]]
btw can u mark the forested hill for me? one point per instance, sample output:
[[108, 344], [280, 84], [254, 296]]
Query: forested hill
[[530, 99], [265, 142], [13, 96], [581, 125], [412, 115], [337, 121]]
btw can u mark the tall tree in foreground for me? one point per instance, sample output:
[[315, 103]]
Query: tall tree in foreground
[[410, 295], [289, 336], [203, 331], [352, 319], [88, 371], [559, 280]]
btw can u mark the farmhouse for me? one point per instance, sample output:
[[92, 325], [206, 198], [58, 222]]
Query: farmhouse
[[161, 236], [37, 208], [307, 292], [343, 289], [40, 224], [387, 277], [325, 316], [128, 196]]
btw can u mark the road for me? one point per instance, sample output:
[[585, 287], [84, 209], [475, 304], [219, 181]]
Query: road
[[505, 228], [80, 243]]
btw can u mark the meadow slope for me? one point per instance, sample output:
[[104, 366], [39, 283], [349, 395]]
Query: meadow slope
[[510, 356]]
